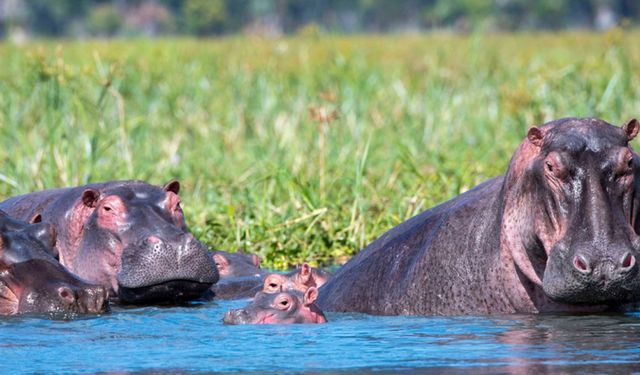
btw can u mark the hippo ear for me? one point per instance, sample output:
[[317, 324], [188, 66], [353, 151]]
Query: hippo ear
[[310, 296], [255, 260], [90, 198], [172, 186], [44, 233], [305, 272], [631, 128], [535, 136], [221, 261]]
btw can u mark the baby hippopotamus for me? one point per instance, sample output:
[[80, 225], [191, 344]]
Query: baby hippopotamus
[[279, 308], [247, 284], [301, 279]]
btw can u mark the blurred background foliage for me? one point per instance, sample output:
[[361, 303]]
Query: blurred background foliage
[[108, 18]]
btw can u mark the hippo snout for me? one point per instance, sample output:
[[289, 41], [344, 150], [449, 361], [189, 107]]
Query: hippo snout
[[159, 270], [85, 300], [608, 268], [94, 299], [238, 316], [593, 276]]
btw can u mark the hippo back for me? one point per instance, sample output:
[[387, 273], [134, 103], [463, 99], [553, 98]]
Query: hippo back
[[391, 276]]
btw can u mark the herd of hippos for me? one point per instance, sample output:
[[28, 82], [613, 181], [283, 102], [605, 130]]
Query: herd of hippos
[[559, 232]]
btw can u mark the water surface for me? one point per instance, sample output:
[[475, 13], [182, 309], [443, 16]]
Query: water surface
[[193, 339]]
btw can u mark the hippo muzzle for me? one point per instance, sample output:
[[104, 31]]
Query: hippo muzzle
[[188, 271], [593, 276]]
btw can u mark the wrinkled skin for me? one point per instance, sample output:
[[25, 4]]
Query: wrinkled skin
[[279, 308], [127, 236], [301, 279], [33, 282], [240, 287], [557, 233]]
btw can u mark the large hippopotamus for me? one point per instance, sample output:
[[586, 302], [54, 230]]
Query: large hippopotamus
[[279, 308], [33, 282], [128, 236], [557, 233]]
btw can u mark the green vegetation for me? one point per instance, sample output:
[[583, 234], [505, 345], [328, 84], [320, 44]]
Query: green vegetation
[[305, 148]]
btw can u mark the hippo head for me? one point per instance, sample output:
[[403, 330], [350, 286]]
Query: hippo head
[[303, 278], [135, 241], [579, 193], [279, 308], [238, 264], [32, 281]]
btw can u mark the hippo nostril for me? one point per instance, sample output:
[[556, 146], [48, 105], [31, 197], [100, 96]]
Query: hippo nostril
[[66, 294], [628, 261], [581, 264]]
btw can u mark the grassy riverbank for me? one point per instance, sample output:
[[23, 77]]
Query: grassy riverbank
[[304, 148]]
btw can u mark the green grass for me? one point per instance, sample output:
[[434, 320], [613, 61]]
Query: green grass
[[420, 119]]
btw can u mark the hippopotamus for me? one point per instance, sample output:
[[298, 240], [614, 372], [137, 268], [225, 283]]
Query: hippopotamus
[[557, 233], [301, 279], [33, 282], [279, 308], [238, 264], [128, 236], [247, 286]]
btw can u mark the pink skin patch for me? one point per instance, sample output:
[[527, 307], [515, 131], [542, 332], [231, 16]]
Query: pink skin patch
[[9, 298], [77, 217], [172, 204], [222, 264], [112, 213]]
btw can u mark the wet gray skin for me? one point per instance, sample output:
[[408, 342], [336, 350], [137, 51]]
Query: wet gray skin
[[238, 264], [33, 282], [557, 233], [290, 307], [127, 236]]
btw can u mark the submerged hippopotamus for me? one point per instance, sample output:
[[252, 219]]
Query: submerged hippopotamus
[[33, 282], [303, 278], [558, 232], [279, 308], [238, 264], [127, 236], [246, 286]]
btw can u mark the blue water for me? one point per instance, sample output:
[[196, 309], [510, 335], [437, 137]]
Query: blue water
[[193, 339]]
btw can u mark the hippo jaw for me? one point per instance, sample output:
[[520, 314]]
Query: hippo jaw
[[188, 272], [170, 292]]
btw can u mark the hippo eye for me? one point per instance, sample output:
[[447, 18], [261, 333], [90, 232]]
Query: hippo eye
[[107, 208], [283, 304]]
